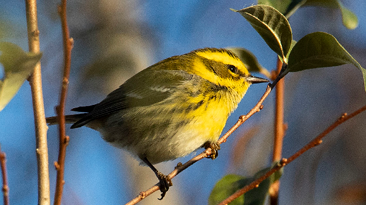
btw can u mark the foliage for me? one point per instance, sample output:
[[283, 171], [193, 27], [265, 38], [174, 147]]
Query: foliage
[[288, 7], [314, 50], [271, 25], [18, 65], [229, 184]]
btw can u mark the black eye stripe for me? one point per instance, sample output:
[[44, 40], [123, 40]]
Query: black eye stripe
[[213, 70], [233, 69]]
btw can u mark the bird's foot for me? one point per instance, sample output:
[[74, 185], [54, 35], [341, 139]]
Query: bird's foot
[[214, 149], [164, 183], [178, 165]]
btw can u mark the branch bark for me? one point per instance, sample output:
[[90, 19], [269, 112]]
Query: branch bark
[[5, 188], [279, 116], [63, 139], [279, 131], [35, 81]]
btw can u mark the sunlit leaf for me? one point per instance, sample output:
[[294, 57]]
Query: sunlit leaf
[[271, 25], [249, 60], [318, 50], [18, 65], [231, 183]]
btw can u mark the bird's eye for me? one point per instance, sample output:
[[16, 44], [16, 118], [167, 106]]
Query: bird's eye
[[233, 69]]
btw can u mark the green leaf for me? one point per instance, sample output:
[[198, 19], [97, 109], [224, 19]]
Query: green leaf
[[281, 6], [231, 183], [292, 8], [227, 186], [293, 43], [271, 25], [288, 7], [349, 19], [249, 60], [18, 65], [318, 50]]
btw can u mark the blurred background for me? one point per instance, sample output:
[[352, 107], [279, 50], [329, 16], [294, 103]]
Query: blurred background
[[114, 39]]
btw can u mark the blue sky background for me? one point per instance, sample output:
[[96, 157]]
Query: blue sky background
[[140, 33]]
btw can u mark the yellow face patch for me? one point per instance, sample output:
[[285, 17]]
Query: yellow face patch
[[201, 70], [224, 57], [220, 67]]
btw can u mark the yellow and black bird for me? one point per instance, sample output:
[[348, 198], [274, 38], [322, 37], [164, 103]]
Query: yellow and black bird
[[171, 108]]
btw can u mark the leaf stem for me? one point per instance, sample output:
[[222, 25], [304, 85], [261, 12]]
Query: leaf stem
[[282, 74], [35, 81]]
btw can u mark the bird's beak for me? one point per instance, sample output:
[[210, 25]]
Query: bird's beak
[[253, 79]]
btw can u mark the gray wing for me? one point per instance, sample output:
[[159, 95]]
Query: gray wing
[[148, 87]]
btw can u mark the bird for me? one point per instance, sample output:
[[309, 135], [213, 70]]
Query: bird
[[171, 108]]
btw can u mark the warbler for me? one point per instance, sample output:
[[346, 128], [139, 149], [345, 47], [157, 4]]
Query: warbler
[[171, 108]]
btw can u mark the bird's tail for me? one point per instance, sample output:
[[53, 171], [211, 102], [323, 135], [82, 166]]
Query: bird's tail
[[69, 119]]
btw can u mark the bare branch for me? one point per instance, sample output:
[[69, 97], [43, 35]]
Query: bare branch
[[64, 140], [35, 81], [279, 131], [5, 188], [279, 116]]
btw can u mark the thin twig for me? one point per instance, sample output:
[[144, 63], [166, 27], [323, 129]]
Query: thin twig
[[64, 140], [35, 81], [279, 131], [207, 152], [316, 141], [5, 188]]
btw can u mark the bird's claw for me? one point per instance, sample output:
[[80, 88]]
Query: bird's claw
[[164, 183], [214, 149]]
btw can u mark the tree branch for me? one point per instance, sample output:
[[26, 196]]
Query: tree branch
[[64, 140], [316, 141], [35, 81], [279, 131], [279, 116], [5, 188]]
